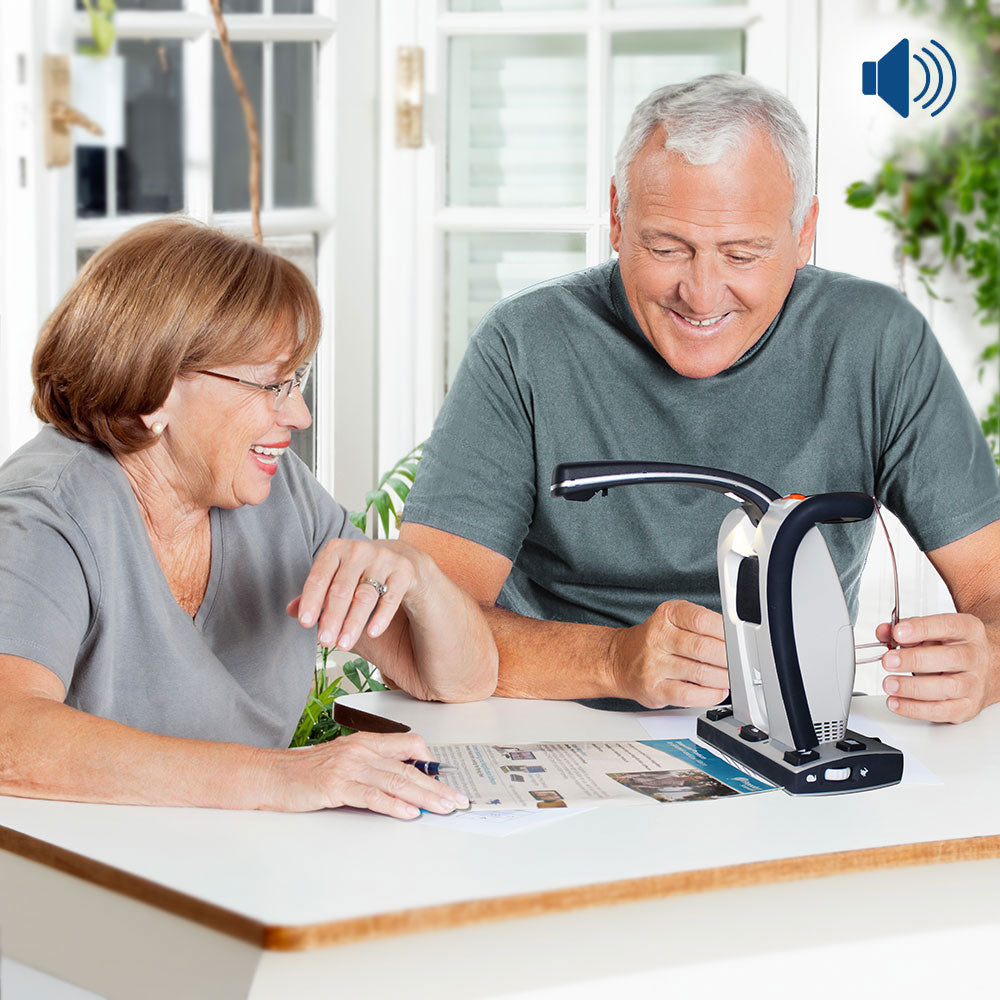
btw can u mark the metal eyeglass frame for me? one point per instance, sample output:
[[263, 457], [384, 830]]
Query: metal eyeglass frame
[[280, 390], [894, 617]]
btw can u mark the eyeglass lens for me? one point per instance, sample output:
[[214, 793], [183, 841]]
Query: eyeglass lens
[[894, 618], [285, 388]]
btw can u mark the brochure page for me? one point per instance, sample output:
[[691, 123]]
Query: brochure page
[[571, 775]]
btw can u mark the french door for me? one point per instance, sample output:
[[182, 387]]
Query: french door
[[526, 101]]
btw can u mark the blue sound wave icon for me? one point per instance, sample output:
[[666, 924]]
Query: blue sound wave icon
[[889, 78]]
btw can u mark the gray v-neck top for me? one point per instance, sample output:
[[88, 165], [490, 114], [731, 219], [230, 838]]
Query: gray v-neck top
[[81, 593]]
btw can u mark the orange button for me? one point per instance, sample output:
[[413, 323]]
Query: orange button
[[795, 496]]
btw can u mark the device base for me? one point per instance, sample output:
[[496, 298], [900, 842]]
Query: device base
[[868, 763]]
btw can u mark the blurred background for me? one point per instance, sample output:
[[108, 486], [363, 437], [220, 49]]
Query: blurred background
[[423, 158]]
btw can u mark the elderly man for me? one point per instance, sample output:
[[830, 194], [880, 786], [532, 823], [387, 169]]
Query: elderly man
[[709, 341]]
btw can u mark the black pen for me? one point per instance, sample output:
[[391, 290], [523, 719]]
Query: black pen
[[432, 767]]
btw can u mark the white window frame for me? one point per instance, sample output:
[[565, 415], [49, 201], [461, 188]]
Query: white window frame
[[781, 47]]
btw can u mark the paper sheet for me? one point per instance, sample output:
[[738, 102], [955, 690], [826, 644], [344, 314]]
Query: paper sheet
[[498, 823], [566, 775]]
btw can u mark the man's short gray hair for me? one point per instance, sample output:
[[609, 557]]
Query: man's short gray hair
[[707, 117]]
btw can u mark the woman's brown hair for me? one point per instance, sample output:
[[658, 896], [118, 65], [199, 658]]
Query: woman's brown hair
[[161, 301]]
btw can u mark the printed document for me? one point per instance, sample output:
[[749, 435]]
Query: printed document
[[581, 774]]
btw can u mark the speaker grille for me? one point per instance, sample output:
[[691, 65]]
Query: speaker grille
[[827, 732]]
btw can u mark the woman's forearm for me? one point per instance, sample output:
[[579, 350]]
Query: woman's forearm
[[51, 751]]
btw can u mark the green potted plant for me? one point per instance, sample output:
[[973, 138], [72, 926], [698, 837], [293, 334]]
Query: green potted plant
[[383, 507]]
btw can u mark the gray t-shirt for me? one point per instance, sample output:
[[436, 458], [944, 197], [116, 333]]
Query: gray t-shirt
[[846, 390], [82, 594]]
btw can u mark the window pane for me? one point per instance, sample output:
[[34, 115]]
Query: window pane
[[517, 121], [141, 5], [230, 174], [643, 61], [509, 5], [146, 175], [660, 4], [293, 6], [242, 6], [293, 123], [483, 268]]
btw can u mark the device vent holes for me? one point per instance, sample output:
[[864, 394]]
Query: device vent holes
[[827, 732]]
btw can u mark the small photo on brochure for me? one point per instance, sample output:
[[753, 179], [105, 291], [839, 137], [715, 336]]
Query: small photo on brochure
[[548, 798], [674, 786]]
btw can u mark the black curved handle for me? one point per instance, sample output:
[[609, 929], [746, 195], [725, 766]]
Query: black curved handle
[[582, 480], [823, 508]]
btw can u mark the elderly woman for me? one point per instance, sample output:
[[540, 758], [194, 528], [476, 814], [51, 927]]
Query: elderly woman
[[166, 564]]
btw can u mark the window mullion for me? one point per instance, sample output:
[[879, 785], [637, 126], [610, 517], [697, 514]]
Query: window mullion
[[197, 118], [598, 55], [267, 126]]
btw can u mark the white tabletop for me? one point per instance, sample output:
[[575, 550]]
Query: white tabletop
[[256, 864]]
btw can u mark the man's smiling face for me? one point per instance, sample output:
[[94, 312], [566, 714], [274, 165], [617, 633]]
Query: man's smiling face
[[708, 253]]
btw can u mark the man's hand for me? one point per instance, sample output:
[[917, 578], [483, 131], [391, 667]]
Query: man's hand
[[677, 656], [951, 660]]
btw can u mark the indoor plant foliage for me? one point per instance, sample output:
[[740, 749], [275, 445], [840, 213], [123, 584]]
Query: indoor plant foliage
[[386, 501], [940, 191]]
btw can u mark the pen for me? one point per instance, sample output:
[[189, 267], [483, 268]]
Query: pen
[[432, 767]]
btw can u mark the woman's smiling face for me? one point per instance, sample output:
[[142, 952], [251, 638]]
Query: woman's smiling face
[[225, 439]]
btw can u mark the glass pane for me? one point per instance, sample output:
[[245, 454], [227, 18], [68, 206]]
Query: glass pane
[[293, 123], [517, 121], [293, 6], [141, 4], [146, 174], [478, 6], [483, 268], [301, 251], [242, 6], [660, 4], [643, 61], [231, 169]]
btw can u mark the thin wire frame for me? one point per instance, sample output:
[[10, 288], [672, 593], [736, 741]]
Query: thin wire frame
[[280, 390], [894, 618]]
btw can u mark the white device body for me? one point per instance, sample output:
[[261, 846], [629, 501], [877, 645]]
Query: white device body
[[824, 636]]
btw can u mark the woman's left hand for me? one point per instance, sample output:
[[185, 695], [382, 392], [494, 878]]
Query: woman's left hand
[[340, 592]]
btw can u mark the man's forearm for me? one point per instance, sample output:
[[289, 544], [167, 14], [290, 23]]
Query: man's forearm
[[543, 659]]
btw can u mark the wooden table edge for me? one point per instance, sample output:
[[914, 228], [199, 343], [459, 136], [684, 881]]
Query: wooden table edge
[[444, 916]]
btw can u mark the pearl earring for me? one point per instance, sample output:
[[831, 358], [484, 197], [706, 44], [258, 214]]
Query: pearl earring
[[157, 428]]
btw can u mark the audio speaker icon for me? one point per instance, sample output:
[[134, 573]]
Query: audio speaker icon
[[889, 78]]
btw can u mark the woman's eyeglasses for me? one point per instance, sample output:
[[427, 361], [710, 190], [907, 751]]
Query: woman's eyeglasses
[[279, 390]]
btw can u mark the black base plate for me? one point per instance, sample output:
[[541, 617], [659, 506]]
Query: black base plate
[[835, 772]]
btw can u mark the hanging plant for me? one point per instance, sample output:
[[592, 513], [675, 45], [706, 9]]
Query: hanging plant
[[941, 192]]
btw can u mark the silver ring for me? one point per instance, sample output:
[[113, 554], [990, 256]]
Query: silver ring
[[380, 587]]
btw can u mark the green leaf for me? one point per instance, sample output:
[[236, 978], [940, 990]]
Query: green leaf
[[381, 503], [359, 519], [861, 195], [400, 487]]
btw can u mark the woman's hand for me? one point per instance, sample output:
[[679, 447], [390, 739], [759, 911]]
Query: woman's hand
[[438, 648], [340, 592], [365, 770]]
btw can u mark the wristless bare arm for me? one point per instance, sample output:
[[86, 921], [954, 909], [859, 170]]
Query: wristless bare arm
[[51, 751], [676, 657]]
